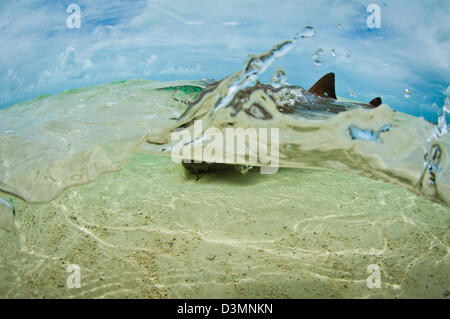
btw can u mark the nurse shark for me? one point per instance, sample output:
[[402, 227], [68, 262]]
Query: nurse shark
[[289, 99]]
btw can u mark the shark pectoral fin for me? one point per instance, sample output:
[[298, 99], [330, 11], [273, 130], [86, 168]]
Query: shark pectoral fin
[[324, 87], [376, 102]]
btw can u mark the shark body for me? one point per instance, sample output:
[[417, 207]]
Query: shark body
[[289, 99]]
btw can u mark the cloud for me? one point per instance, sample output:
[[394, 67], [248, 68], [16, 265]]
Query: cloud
[[149, 63], [13, 82], [70, 67], [152, 60], [434, 108], [231, 23], [175, 16], [447, 91], [178, 70]]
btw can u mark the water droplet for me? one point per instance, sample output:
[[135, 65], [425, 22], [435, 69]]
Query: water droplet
[[317, 62], [353, 94], [347, 57], [316, 56], [339, 26], [279, 78], [407, 93], [318, 53], [308, 32], [333, 52]]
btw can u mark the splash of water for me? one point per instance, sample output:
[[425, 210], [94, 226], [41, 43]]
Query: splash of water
[[258, 64], [254, 66], [433, 156], [314, 132], [442, 128]]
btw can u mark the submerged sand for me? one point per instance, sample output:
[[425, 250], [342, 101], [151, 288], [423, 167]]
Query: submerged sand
[[153, 231]]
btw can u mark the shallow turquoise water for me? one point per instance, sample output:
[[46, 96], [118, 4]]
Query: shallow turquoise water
[[153, 231]]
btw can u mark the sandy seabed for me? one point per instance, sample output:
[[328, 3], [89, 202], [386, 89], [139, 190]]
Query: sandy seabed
[[153, 231]]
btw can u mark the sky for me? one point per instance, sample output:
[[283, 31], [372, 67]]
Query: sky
[[196, 39]]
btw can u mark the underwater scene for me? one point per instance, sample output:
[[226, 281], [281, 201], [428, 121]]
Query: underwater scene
[[224, 149]]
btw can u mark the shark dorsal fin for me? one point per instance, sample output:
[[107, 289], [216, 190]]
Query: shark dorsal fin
[[324, 87], [376, 101]]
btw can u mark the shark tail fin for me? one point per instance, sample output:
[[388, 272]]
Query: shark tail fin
[[376, 102], [324, 87]]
